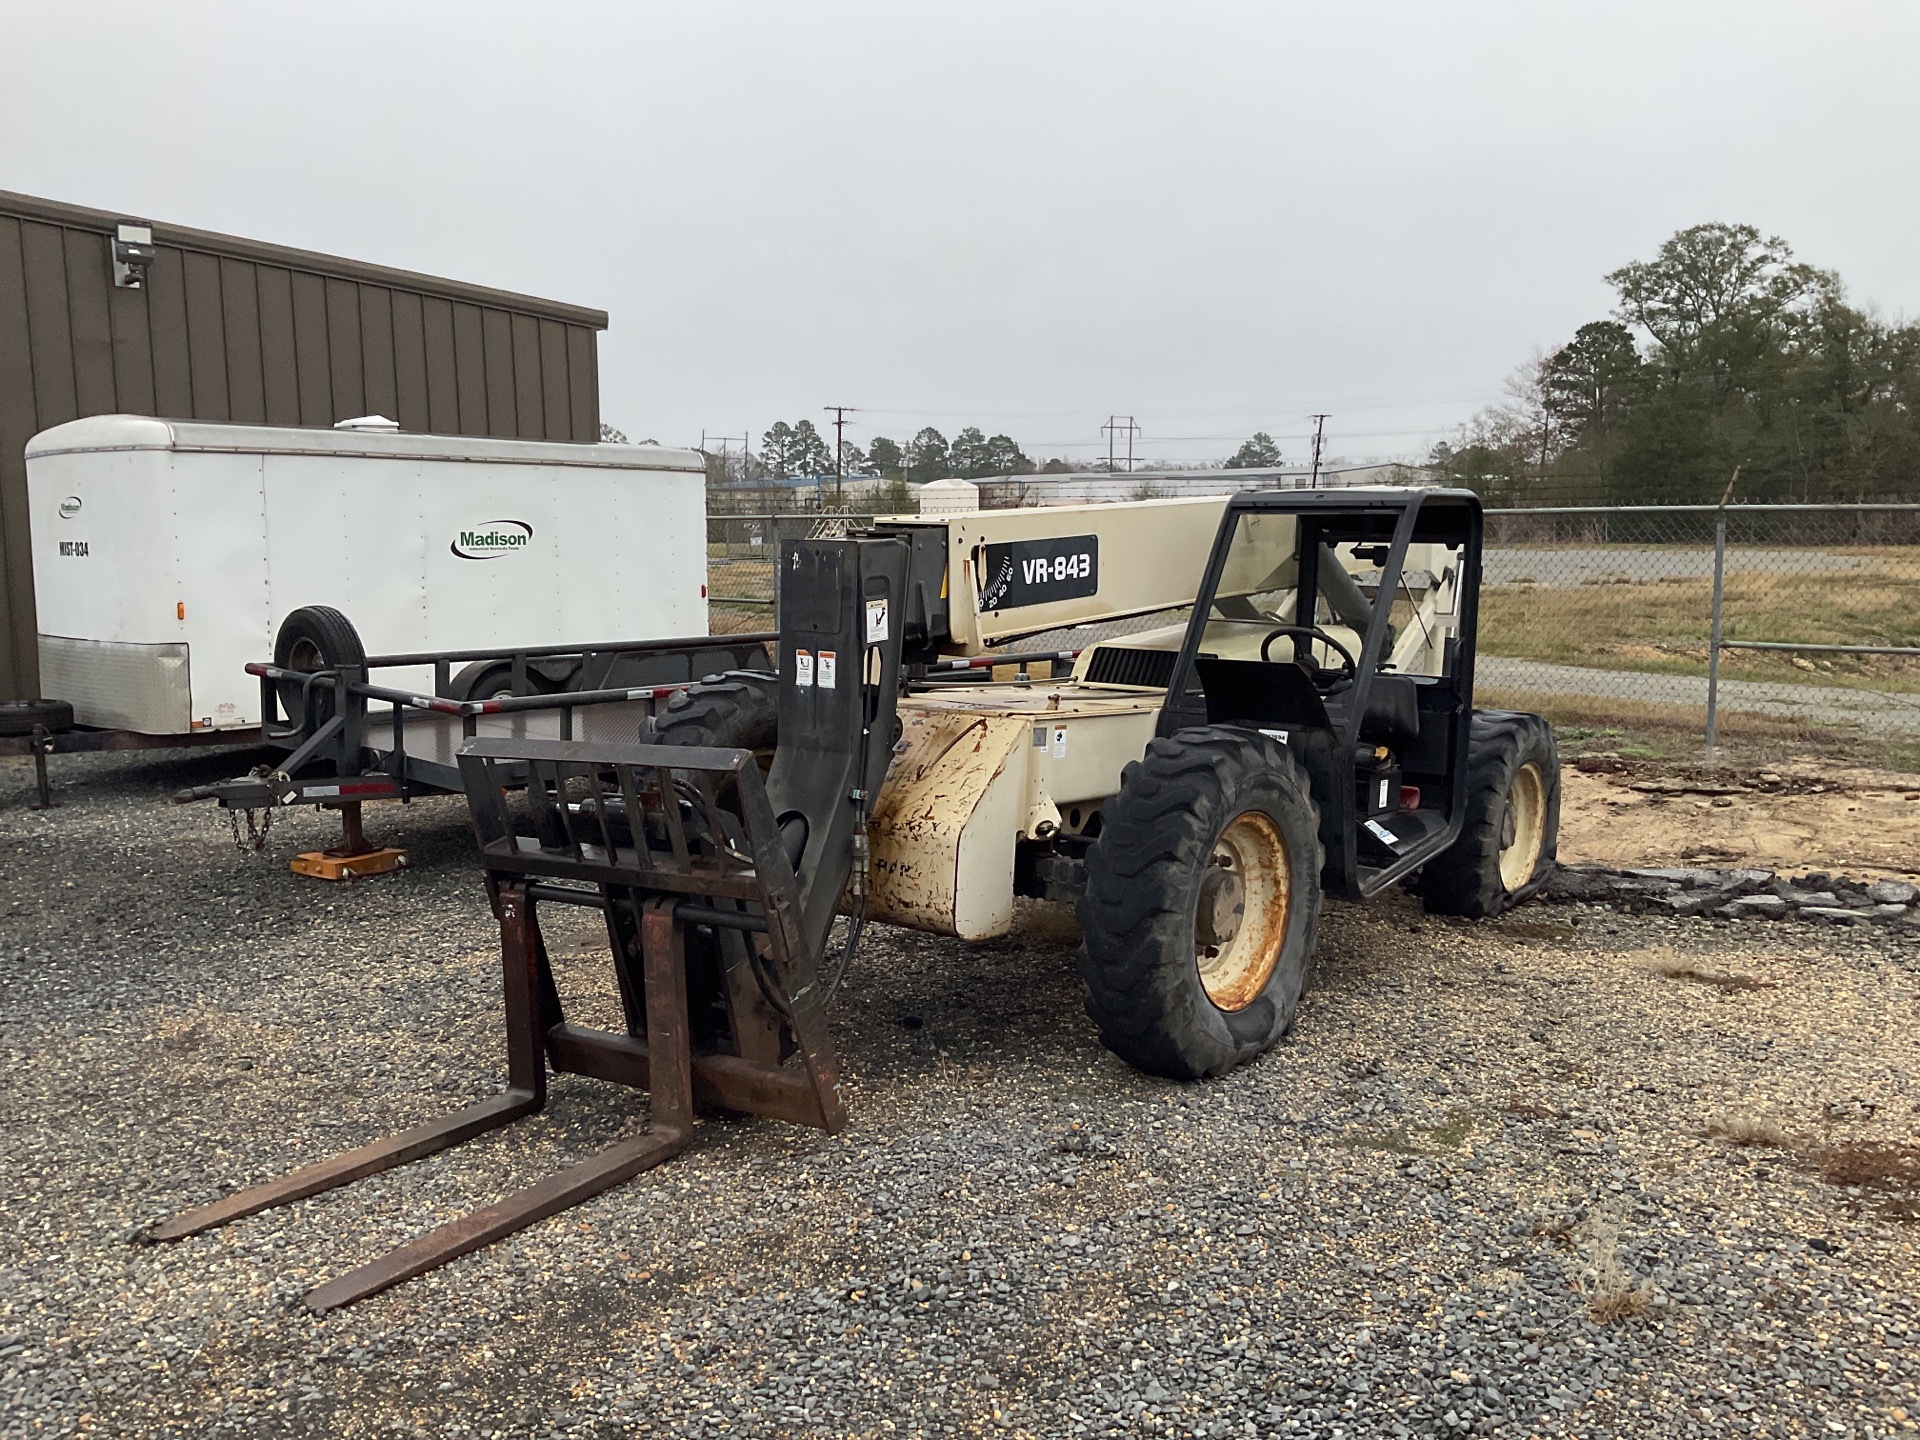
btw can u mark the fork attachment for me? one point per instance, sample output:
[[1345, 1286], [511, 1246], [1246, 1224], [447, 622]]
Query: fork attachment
[[678, 848]]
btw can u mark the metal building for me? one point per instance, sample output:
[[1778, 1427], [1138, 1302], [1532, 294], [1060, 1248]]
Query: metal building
[[213, 327]]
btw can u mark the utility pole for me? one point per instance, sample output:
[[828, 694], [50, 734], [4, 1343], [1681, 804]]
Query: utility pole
[[1115, 424], [839, 453], [1319, 437]]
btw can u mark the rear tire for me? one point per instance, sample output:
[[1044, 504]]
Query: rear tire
[[1202, 901], [18, 717], [1511, 834], [311, 639]]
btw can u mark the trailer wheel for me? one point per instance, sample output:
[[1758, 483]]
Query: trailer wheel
[[18, 717], [1511, 834], [1203, 896], [493, 680], [311, 639]]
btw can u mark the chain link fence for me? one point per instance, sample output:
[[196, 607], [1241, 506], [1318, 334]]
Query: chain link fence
[[1614, 612], [1607, 615]]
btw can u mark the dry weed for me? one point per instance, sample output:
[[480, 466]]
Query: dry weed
[[1612, 1291], [1754, 1130]]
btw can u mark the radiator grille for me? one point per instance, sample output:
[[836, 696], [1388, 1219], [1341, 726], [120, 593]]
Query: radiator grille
[[1124, 665]]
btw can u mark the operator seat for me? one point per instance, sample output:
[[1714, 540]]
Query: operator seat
[[1392, 716]]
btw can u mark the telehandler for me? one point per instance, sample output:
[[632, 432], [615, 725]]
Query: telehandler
[[1269, 699]]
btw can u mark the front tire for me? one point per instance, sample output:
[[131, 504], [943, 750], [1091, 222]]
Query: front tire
[[1511, 833], [1202, 902]]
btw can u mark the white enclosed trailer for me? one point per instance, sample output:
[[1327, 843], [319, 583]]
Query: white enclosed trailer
[[167, 552]]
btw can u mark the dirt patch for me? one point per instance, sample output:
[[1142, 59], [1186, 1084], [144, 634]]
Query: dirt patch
[[1859, 822], [1718, 979]]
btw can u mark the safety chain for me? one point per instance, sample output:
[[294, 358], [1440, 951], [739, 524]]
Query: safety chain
[[257, 831]]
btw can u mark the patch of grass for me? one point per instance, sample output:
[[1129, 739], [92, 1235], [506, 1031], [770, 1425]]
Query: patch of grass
[[1448, 1135], [1749, 1131]]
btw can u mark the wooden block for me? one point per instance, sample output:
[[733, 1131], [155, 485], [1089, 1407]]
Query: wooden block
[[322, 866]]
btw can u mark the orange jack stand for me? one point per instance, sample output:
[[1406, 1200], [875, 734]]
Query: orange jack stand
[[353, 858]]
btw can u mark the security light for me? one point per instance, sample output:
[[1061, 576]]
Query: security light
[[132, 254]]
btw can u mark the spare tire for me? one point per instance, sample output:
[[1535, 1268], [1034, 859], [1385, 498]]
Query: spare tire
[[312, 639], [18, 717]]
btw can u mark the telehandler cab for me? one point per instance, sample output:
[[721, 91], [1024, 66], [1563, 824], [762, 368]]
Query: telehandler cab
[[1270, 699]]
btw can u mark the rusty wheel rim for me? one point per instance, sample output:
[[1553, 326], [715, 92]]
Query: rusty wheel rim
[[305, 657], [1241, 917], [1524, 830]]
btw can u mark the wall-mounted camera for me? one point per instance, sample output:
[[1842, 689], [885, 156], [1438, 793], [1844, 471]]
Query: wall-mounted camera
[[132, 254]]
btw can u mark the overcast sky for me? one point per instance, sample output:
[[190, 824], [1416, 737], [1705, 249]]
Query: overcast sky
[[1214, 217]]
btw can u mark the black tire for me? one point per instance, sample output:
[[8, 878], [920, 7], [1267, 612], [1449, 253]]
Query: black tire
[[1140, 919], [314, 638], [1467, 879], [493, 680], [18, 717], [736, 711]]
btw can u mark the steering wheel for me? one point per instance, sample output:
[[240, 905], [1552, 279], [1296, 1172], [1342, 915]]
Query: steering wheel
[[1350, 667]]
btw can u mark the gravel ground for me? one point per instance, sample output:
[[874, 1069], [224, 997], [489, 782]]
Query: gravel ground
[[1402, 1221]]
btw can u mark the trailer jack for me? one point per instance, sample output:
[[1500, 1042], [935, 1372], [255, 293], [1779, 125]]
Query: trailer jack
[[354, 857], [679, 849]]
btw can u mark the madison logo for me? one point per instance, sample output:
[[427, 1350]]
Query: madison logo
[[493, 540], [69, 507]]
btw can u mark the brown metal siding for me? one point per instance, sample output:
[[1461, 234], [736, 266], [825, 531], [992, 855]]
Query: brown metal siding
[[246, 374], [410, 363], [229, 328], [17, 411], [279, 362]]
